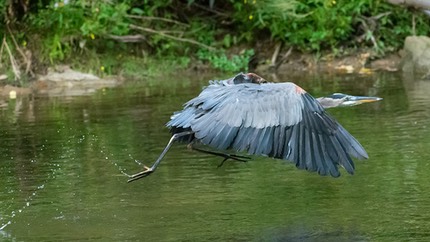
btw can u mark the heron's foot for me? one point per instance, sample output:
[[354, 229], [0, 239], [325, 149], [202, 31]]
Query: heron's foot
[[234, 157], [142, 174]]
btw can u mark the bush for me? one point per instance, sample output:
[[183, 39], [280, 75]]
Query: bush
[[313, 25], [62, 30]]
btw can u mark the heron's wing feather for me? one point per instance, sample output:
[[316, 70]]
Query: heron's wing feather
[[278, 120], [242, 112]]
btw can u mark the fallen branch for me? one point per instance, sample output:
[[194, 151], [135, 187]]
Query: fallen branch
[[128, 38], [411, 3], [152, 31], [157, 18]]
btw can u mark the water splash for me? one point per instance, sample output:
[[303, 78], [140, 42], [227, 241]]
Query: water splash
[[113, 162], [6, 224], [27, 204], [136, 161]]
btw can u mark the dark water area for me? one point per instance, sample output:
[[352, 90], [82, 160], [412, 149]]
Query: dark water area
[[63, 162]]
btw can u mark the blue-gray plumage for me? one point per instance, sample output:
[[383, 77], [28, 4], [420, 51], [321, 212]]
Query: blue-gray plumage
[[279, 120]]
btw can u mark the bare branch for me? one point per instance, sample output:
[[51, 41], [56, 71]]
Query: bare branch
[[276, 53], [25, 56], [13, 62], [16, 44], [284, 58], [211, 10], [152, 31], [157, 18], [1, 50]]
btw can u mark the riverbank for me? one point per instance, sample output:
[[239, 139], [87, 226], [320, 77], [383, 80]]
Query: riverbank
[[134, 40], [65, 80], [358, 61]]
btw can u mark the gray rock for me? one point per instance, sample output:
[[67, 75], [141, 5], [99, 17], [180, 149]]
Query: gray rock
[[416, 56], [64, 81]]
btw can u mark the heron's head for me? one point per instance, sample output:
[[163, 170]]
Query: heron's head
[[344, 100], [248, 78]]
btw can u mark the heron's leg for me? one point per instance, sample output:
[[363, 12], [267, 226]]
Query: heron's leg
[[149, 170], [226, 156]]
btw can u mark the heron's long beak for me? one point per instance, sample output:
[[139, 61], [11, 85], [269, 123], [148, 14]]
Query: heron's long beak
[[356, 100]]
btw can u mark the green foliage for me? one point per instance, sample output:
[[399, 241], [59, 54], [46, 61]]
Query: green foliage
[[313, 25], [68, 27], [107, 19], [182, 30], [220, 61]]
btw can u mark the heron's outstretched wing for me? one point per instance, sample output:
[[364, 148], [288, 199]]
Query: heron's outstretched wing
[[278, 120]]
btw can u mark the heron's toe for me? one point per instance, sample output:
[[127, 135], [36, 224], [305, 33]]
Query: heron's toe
[[146, 172]]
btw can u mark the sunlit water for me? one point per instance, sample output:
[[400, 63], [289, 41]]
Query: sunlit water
[[63, 163]]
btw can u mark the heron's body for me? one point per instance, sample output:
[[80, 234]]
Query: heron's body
[[269, 119], [278, 120]]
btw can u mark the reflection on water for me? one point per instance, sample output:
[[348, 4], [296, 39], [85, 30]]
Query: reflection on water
[[62, 162]]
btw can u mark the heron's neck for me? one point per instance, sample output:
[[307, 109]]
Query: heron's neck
[[329, 102]]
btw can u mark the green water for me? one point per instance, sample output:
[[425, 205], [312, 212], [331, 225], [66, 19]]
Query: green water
[[62, 161]]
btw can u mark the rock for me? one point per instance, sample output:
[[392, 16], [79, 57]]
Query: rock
[[416, 55], [65, 81], [69, 76], [3, 77]]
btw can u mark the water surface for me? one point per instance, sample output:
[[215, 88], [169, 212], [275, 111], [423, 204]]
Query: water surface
[[62, 161]]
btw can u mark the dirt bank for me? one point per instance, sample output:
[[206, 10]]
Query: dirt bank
[[275, 59]]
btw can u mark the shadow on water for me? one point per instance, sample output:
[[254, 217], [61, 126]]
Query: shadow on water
[[62, 162]]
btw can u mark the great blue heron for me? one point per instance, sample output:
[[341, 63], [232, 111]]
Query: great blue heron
[[279, 120]]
